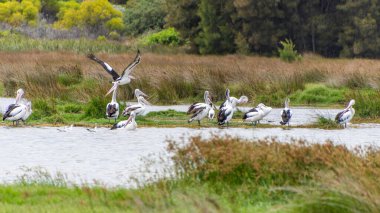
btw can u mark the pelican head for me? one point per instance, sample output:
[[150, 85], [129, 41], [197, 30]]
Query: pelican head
[[243, 99], [287, 101], [206, 97], [352, 102], [139, 93], [261, 105], [19, 94]]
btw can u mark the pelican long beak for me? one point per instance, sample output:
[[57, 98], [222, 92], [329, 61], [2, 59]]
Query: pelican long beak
[[146, 102], [18, 98], [112, 88], [131, 77]]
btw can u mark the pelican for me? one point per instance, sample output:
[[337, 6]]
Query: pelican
[[138, 108], [346, 115], [211, 112], [112, 110], [286, 113], [16, 111], [125, 77], [254, 115], [226, 112], [200, 110], [266, 109], [129, 124], [234, 101], [28, 111]]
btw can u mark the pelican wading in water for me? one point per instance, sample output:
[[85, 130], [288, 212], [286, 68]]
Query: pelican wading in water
[[286, 113], [129, 124], [140, 107], [125, 77], [200, 110], [254, 115], [346, 115], [17, 111], [234, 102], [112, 110], [227, 110]]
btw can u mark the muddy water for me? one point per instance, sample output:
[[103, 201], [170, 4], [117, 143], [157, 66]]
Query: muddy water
[[110, 157]]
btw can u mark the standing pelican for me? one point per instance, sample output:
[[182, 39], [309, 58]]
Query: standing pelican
[[129, 124], [16, 111], [346, 115], [254, 115], [112, 110], [138, 108], [211, 112], [125, 77], [28, 111], [234, 101], [286, 113], [200, 110], [226, 112]]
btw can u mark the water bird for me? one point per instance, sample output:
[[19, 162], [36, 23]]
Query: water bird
[[345, 116], [234, 102], [140, 107], [95, 129], [211, 112], [66, 128], [286, 113], [226, 112], [129, 124], [200, 110], [17, 111], [125, 77], [112, 109], [254, 115]]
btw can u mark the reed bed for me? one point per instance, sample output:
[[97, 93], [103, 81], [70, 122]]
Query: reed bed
[[180, 78]]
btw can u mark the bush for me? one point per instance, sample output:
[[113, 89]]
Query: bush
[[168, 37], [42, 108], [96, 108], [17, 13], [318, 93], [287, 52]]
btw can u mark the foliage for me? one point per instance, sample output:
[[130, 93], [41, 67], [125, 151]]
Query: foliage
[[93, 15], [96, 108], [165, 37], [142, 16], [287, 52], [17, 13], [367, 103], [317, 93]]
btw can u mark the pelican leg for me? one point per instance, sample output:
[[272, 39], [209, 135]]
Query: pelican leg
[[199, 122], [345, 125]]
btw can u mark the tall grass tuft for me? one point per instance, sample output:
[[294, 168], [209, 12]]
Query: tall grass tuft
[[367, 103]]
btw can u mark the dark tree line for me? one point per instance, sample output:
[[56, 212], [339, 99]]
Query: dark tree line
[[332, 28]]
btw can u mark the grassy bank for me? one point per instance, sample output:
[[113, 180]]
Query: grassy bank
[[227, 175], [175, 79]]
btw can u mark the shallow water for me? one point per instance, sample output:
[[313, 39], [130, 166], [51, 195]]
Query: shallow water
[[110, 157]]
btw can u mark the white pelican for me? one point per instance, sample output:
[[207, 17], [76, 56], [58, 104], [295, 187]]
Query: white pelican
[[286, 113], [254, 115], [266, 109], [346, 115], [234, 101], [140, 107], [125, 77], [16, 111], [112, 110], [28, 111], [129, 124], [200, 110], [226, 112], [211, 112]]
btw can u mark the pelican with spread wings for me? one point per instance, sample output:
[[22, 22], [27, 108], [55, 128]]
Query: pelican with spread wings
[[125, 77]]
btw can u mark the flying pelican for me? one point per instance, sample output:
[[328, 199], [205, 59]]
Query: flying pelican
[[125, 77], [254, 115], [138, 108], [129, 124], [346, 115], [16, 111], [226, 112], [112, 110], [200, 110], [234, 101], [286, 113]]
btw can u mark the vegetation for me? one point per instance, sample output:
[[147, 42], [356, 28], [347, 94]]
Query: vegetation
[[287, 52], [223, 175]]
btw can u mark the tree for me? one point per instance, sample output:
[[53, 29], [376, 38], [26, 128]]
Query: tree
[[144, 15], [17, 13]]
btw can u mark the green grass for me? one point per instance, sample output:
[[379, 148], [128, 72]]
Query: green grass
[[223, 175], [319, 94]]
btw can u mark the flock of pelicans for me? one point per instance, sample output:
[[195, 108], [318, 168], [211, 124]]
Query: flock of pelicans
[[22, 108]]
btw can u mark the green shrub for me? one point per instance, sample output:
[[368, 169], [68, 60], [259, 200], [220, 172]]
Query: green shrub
[[72, 108], [287, 52], [168, 37], [96, 108], [319, 94], [114, 35], [367, 103], [42, 109]]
